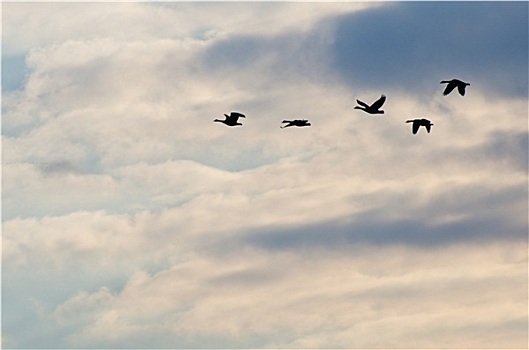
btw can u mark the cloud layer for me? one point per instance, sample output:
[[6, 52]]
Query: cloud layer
[[131, 220], [410, 45]]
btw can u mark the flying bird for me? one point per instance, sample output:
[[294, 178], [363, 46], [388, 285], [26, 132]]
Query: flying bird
[[452, 84], [297, 122], [374, 108], [232, 119], [417, 123]]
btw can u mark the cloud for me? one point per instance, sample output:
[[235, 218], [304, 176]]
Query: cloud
[[414, 45], [58, 167], [125, 208], [344, 298]]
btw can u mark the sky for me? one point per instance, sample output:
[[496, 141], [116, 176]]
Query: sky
[[131, 220]]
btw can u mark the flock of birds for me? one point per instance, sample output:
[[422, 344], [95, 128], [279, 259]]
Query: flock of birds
[[374, 108]]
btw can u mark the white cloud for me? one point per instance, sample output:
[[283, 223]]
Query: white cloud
[[82, 307], [324, 299], [37, 25], [133, 212]]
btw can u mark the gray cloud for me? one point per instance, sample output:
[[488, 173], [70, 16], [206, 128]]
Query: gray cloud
[[60, 167], [460, 215], [412, 45], [332, 235]]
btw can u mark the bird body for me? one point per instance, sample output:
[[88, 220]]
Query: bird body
[[374, 108], [232, 119], [417, 123], [452, 84], [297, 122]]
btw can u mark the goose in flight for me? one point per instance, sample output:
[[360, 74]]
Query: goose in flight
[[374, 108], [452, 84], [232, 119], [417, 123], [296, 122]]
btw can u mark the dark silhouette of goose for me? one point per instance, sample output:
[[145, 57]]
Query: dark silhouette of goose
[[374, 108], [452, 84], [417, 123], [231, 120], [297, 122]]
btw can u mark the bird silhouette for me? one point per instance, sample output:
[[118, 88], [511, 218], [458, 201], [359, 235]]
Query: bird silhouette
[[232, 119], [452, 84], [297, 122], [374, 108], [417, 123]]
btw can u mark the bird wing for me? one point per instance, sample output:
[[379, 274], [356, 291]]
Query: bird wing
[[428, 127], [362, 103], [451, 86], [378, 103], [237, 115], [461, 89], [416, 126], [286, 121]]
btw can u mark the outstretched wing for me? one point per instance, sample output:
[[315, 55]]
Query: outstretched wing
[[451, 86], [378, 103], [416, 126], [428, 127], [233, 117], [461, 89], [237, 115]]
